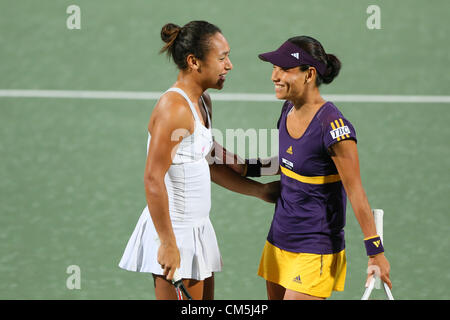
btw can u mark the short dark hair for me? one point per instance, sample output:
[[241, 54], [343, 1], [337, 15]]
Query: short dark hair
[[192, 38], [315, 49]]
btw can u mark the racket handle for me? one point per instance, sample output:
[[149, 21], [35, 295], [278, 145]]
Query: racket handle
[[378, 217], [177, 281], [176, 276]]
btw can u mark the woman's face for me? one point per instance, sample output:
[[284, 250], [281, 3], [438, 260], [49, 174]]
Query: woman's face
[[217, 63], [289, 83]]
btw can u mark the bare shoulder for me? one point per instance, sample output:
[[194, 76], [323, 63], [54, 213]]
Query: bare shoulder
[[171, 111]]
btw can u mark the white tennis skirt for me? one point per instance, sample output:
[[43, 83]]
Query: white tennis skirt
[[197, 243]]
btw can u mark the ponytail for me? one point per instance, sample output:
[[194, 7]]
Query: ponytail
[[169, 34], [333, 68], [315, 50], [192, 38]]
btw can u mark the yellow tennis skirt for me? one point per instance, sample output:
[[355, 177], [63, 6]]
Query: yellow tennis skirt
[[313, 274]]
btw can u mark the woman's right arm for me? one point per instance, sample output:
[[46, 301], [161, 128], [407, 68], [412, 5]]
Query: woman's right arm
[[168, 125], [270, 166]]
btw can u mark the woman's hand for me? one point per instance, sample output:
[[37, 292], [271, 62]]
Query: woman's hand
[[379, 266], [169, 258]]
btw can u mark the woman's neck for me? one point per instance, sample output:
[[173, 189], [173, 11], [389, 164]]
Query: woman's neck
[[187, 82], [311, 100]]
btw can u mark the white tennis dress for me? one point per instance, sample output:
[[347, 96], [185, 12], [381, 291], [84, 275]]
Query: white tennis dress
[[188, 185]]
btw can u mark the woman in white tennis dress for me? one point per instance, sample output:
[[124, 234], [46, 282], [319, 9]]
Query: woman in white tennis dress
[[174, 230], [188, 185]]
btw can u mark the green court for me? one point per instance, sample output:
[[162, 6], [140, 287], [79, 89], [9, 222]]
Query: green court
[[71, 169]]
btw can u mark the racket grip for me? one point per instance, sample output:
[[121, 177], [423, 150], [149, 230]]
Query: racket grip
[[176, 276], [378, 217]]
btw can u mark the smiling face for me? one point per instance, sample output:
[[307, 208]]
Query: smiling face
[[290, 84], [217, 62]]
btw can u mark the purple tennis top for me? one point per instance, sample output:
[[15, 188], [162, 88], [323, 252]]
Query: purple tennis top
[[310, 213]]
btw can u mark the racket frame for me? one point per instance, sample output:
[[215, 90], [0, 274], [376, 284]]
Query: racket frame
[[370, 287]]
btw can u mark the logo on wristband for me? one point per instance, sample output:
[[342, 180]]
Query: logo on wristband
[[373, 246]]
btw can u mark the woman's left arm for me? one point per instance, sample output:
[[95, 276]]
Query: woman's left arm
[[345, 157]]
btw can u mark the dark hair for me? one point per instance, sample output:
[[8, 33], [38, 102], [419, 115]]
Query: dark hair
[[315, 49], [192, 38]]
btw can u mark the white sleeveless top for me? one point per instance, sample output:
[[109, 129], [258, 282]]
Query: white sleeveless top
[[188, 185], [195, 146], [188, 180]]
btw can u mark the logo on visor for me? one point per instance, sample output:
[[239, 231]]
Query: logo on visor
[[296, 55]]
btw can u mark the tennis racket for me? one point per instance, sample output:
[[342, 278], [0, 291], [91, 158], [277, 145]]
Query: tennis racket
[[370, 287], [375, 281], [177, 282]]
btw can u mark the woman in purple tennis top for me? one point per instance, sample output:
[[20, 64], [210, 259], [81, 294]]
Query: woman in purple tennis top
[[304, 255]]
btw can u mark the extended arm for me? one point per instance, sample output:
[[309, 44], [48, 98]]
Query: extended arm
[[345, 157], [268, 166], [226, 177], [227, 170]]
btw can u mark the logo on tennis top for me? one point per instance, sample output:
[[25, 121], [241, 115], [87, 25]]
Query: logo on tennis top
[[297, 279], [287, 163], [296, 55], [289, 150], [339, 130], [377, 243]]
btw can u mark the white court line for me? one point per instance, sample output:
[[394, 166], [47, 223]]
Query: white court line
[[251, 97]]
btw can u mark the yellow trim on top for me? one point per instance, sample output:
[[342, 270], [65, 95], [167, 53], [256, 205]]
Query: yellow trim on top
[[372, 237], [334, 128], [342, 124], [311, 180], [338, 126]]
